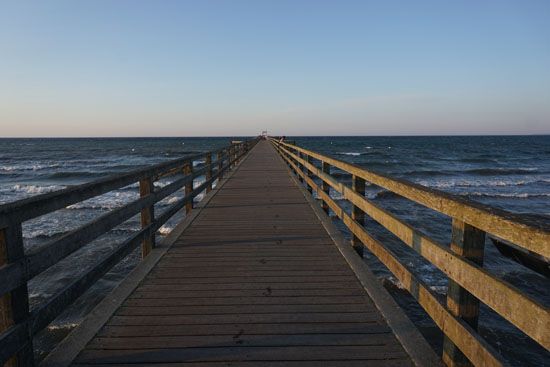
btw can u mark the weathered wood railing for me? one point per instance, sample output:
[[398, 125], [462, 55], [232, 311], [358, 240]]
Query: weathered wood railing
[[462, 261], [18, 323]]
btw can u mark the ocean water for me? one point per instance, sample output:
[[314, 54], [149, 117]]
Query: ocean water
[[511, 173]]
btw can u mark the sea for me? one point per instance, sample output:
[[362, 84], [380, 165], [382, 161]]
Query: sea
[[507, 172]]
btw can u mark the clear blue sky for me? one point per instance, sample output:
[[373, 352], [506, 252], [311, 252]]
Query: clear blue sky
[[164, 68]]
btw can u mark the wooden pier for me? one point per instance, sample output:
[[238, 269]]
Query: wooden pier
[[257, 274]]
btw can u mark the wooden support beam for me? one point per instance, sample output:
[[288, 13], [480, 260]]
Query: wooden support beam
[[219, 157], [14, 305], [469, 242], [237, 153], [325, 186], [358, 185], [301, 167], [231, 155], [146, 187], [188, 170], [308, 173], [208, 163]]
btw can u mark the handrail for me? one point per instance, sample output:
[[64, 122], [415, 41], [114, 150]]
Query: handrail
[[468, 281], [18, 323], [524, 232]]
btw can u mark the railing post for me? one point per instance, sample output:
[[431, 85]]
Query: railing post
[[468, 242], [325, 186], [208, 163], [307, 172], [219, 157], [230, 158], [237, 153], [14, 305], [358, 185], [294, 160], [188, 170], [300, 166], [146, 187]]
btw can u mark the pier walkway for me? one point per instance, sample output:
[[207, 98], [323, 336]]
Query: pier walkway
[[255, 277]]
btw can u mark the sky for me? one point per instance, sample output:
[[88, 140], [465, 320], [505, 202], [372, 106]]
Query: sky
[[299, 67]]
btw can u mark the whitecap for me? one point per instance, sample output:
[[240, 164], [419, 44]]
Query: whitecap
[[165, 230], [36, 189], [523, 195], [355, 154]]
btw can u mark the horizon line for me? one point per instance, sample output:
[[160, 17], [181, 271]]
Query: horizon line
[[231, 136]]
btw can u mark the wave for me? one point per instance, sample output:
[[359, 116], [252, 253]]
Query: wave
[[477, 160], [427, 172], [44, 234], [443, 184], [523, 195], [501, 171], [108, 201], [31, 167], [354, 154], [168, 201], [35, 189], [75, 174]]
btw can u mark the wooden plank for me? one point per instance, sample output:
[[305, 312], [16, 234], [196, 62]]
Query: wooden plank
[[140, 293], [331, 363], [141, 310], [299, 353], [245, 329], [244, 318], [244, 340], [243, 284], [182, 273], [257, 266], [198, 280], [261, 300]]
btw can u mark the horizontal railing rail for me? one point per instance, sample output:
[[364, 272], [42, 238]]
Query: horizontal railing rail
[[19, 323], [462, 262]]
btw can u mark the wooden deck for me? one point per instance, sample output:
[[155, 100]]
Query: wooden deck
[[255, 280]]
